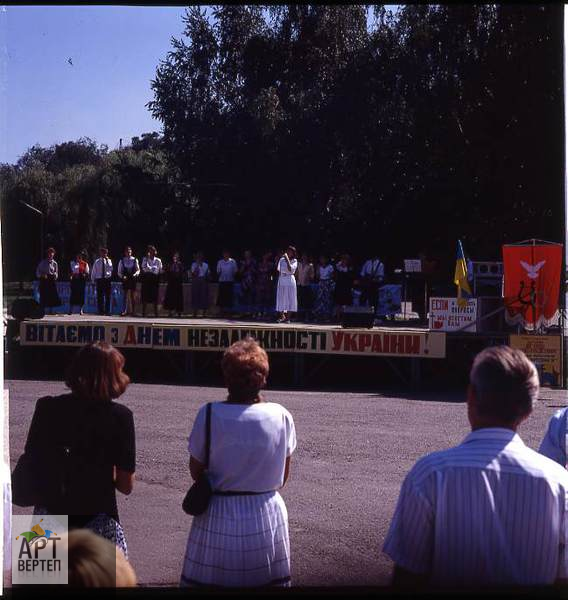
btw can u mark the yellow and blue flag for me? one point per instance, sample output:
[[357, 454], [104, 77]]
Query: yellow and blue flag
[[460, 277]]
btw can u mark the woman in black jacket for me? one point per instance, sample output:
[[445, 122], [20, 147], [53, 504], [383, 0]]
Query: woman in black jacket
[[81, 446]]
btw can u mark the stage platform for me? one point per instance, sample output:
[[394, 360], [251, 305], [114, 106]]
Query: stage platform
[[213, 334]]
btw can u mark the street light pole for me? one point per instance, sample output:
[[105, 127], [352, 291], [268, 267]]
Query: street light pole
[[41, 214]]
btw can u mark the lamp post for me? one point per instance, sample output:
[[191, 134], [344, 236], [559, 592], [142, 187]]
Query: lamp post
[[41, 214]]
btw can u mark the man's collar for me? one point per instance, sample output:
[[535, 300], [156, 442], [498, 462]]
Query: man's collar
[[494, 433]]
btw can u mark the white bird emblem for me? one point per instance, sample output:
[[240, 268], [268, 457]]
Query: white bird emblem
[[532, 270]]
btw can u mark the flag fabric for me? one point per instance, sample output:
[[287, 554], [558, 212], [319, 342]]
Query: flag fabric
[[532, 275], [460, 277]]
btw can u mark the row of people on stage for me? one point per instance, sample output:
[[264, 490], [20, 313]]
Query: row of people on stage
[[276, 279]]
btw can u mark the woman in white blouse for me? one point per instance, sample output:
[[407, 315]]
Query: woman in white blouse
[[226, 270], [128, 273], [199, 285], [286, 294], [151, 269], [242, 539], [325, 274], [79, 271]]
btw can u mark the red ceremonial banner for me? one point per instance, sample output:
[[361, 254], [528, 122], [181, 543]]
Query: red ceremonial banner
[[532, 284]]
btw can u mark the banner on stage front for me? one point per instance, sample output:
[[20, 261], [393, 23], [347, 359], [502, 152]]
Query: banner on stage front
[[447, 315], [364, 342], [545, 352]]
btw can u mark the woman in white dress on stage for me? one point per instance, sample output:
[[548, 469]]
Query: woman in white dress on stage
[[286, 294]]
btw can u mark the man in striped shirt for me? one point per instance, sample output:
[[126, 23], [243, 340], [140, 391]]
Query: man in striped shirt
[[490, 511]]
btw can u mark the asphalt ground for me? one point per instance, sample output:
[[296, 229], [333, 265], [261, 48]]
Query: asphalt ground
[[353, 453]]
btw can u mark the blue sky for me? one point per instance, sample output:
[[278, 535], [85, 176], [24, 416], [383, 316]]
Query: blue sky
[[114, 50]]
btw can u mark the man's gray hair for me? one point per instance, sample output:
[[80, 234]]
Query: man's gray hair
[[505, 383]]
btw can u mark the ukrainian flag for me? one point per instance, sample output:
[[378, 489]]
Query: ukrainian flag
[[460, 276]]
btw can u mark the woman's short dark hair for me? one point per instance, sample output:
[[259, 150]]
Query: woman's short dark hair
[[152, 249], [245, 368], [50, 249], [96, 372]]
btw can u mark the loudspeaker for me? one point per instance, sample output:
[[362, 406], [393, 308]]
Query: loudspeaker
[[26, 308], [358, 317]]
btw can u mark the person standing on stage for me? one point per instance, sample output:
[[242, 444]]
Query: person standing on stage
[[48, 272], [226, 270], [264, 291], [199, 285], [344, 277], [173, 301], [79, 275], [151, 270], [101, 276], [324, 298], [305, 277], [286, 293], [128, 273], [372, 276], [247, 272]]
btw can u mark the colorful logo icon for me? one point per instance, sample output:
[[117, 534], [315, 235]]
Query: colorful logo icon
[[36, 533]]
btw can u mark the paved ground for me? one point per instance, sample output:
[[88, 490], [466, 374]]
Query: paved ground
[[354, 450]]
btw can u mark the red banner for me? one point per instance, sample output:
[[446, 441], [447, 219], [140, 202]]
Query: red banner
[[532, 284]]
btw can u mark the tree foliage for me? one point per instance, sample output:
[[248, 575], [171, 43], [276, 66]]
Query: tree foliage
[[302, 123]]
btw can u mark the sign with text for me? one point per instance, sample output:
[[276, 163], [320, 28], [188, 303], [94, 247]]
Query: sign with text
[[447, 315], [123, 334], [545, 352]]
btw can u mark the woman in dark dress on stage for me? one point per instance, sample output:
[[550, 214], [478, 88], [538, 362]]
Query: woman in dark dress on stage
[[128, 273], [79, 275], [48, 272], [173, 301], [344, 277], [265, 295]]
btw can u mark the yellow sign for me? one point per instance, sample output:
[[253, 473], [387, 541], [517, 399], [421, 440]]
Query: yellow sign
[[310, 340], [545, 352]]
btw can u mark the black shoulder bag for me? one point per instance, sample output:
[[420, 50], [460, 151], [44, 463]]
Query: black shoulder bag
[[199, 494]]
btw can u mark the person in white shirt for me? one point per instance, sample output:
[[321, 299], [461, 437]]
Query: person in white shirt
[[372, 276], [199, 285], [79, 273], [151, 270], [286, 293], [101, 276], [325, 274], [128, 273], [226, 270], [242, 539], [490, 511]]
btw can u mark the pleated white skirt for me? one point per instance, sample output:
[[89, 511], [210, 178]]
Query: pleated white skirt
[[286, 295], [240, 541]]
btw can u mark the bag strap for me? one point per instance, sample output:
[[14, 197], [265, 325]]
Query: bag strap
[[207, 433]]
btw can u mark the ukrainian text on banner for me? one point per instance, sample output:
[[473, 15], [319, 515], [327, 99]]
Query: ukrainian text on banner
[[532, 284], [447, 315], [545, 351], [312, 340]]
